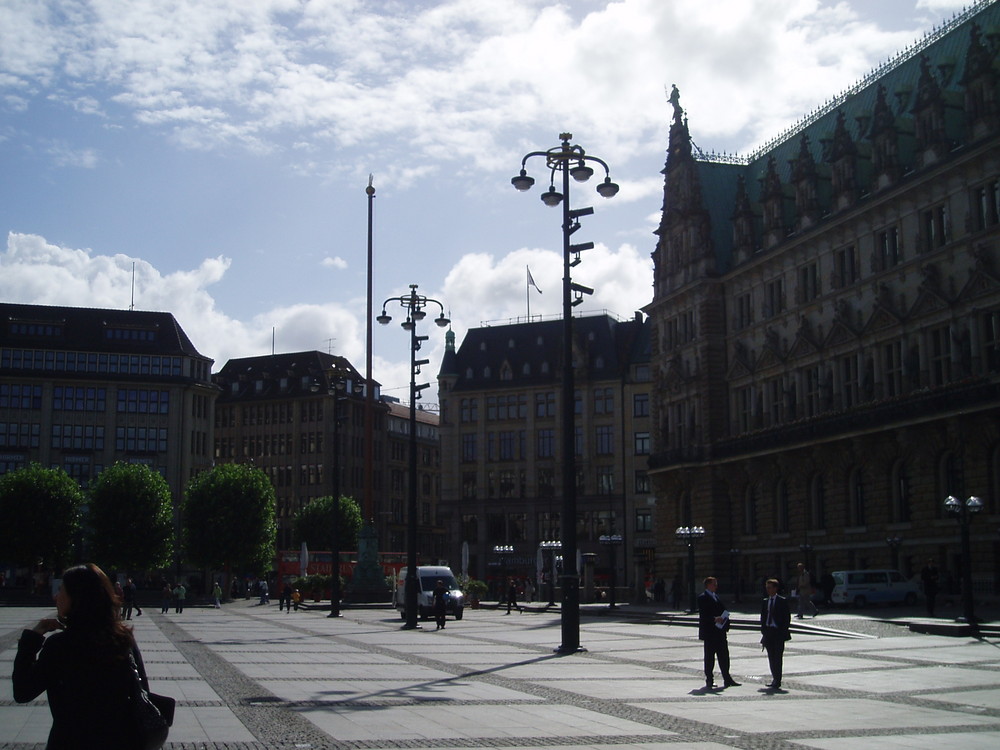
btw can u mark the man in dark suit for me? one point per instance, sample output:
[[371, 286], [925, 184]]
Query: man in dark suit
[[713, 623], [775, 621]]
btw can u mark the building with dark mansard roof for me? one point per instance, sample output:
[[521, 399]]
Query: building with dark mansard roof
[[501, 452], [826, 328]]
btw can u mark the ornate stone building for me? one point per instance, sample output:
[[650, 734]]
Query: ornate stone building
[[826, 328]]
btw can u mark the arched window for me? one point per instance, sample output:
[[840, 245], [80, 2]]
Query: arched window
[[856, 498], [817, 502], [899, 494], [599, 362], [468, 374], [781, 506], [506, 373], [950, 481], [545, 368], [750, 510], [526, 369], [486, 371]]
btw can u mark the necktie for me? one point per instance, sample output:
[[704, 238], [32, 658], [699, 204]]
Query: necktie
[[770, 612]]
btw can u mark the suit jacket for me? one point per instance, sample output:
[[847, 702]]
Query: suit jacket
[[781, 615], [710, 607]]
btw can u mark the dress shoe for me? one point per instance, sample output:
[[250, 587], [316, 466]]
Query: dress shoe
[[773, 686], [731, 683]]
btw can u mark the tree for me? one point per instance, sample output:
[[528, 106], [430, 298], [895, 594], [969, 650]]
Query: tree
[[40, 512], [228, 519], [131, 518], [314, 524]]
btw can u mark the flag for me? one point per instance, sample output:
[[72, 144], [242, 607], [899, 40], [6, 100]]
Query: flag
[[531, 281]]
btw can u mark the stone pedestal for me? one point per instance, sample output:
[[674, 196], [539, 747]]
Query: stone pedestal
[[368, 584]]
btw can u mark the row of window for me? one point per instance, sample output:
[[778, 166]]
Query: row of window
[[934, 358], [115, 364], [516, 407], [84, 398], [511, 445], [513, 483]]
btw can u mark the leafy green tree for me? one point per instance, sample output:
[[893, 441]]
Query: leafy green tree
[[314, 524], [228, 519], [40, 513], [131, 521]]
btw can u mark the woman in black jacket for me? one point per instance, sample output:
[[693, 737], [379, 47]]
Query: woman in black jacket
[[84, 668]]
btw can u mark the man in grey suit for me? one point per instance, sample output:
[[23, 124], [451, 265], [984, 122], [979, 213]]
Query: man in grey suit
[[775, 621]]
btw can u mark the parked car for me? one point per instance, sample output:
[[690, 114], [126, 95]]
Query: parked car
[[861, 587], [427, 578]]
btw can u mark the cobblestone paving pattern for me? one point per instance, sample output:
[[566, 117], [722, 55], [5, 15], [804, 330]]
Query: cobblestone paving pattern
[[289, 679]]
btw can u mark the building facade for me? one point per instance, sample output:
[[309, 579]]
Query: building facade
[[300, 418], [431, 546], [83, 388], [501, 454], [826, 328]]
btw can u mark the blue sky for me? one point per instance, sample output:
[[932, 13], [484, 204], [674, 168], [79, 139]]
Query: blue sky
[[224, 147]]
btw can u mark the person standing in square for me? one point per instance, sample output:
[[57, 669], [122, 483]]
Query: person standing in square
[[713, 624], [775, 623]]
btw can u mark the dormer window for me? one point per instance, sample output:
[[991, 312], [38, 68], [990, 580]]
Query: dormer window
[[506, 373], [526, 369], [510, 343], [541, 341], [486, 372], [468, 374], [482, 346]]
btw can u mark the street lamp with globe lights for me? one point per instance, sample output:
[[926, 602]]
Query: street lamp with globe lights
[[414, 305], [689, 535], [963, 513], [571, 161]]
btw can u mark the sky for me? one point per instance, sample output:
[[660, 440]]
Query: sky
[[222, 148]]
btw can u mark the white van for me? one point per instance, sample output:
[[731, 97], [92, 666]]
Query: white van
[[861, 587], [427, 578]]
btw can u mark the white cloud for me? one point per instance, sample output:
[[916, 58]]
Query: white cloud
[[447, 80], [479, 288], [339, 263], [64, 155]]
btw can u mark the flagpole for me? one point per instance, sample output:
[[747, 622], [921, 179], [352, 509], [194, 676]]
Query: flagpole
[[527, 291]]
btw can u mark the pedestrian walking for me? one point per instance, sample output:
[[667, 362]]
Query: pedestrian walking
[[296, 598], [217, 594], [804, 586], [286, 598], [713, 624], [264, 592], [166, 596], [81, 661], [512, 596], [129, 603], [440, 600], [775, 624], [180, 594]]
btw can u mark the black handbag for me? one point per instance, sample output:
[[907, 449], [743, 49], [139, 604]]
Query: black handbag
[[151, 724]]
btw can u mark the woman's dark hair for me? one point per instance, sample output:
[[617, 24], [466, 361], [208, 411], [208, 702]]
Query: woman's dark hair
[[94, 608]]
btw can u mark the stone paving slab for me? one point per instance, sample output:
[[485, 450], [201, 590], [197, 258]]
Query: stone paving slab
[[905, 679], [964, 740], [812, 714]]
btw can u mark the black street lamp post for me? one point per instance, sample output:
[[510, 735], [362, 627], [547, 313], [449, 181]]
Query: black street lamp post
[[553, 546], [501, 551], [570, 160], [689, 535], [414, 305], [612, 541], [963, 513]]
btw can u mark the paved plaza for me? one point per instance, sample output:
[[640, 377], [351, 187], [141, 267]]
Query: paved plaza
[[253, 677]]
